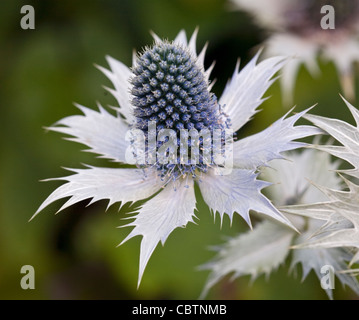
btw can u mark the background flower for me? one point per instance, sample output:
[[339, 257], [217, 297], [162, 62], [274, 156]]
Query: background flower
[[340, 212], [295, 29], [264, 249]]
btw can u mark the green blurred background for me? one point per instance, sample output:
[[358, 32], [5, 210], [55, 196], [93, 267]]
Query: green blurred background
[[42, 72]]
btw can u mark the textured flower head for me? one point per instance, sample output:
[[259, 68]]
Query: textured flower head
[[302, 29], [168, 89], [171, 100]]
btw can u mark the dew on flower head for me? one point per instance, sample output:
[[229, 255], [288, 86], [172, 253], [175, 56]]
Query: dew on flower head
[[170, 92]]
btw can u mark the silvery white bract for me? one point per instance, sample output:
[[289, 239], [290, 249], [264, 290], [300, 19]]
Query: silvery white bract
[[169, 86], [341, 212], [265, 248], [296, 30]]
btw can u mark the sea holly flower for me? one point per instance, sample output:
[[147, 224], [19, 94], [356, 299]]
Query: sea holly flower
[[168, 88], [340, 212], [306, 29], [264, 249]]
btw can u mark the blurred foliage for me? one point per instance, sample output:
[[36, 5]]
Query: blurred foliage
[[42, 72]]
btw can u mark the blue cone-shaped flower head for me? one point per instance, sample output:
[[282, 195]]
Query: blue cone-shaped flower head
[[169, 90]]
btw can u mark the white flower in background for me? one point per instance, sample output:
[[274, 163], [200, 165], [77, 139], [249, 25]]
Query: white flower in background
[[168, 86], [295, 28], [264, 249], [341, 212]]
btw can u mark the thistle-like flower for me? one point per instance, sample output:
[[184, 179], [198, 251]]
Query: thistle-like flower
[[305, 29], [262, 250], [168, 88], [340, 212]]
